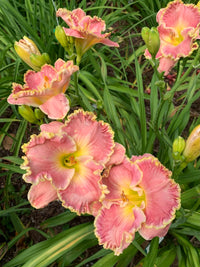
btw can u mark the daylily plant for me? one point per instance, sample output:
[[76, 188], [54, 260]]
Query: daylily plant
[[45, 89], [87, 30], [178, 27], [142, 197], [68, 160]]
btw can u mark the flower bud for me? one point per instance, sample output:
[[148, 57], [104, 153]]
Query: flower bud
[[178, 145], [38, 114], [39, 60], [26, 47], [27, 113], [152, 40], [61, 36], [192, 147], [177, 148]]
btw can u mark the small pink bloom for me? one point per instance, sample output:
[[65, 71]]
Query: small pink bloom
[[85, 29], [71, 156], [142, 197], [45, 89], [178, 27]]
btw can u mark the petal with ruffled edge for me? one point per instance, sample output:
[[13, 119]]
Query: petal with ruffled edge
[[84, 188], [56, 107], [121, 182], [150, 233], [117, 156], [94, 138], [71, 18], [162, 194], [23, 96], [179, 15], [44, 159], [115, 229], [41, 194], [52, 127], [166, 64]]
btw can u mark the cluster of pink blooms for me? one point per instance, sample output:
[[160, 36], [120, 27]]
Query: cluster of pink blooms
[[77, 161], [178, 27]]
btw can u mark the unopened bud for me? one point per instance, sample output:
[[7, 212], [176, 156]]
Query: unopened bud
[[38, 114], [177, 148], [61, 36], [25, 48], [40, 60], [27, 113], [178, 145], [151, 39], [192, 147]]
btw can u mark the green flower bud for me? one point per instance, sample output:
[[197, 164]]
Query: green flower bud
[[61, 36], [40, 60], [27, 113], [145, 34], [177, 148], [178, 145], [39, 114], [152, 40]]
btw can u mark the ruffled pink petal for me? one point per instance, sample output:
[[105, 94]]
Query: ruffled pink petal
[[44, 159], [84, 189], [41, 194], [52, 127], [178, 14], [33, 80], [115, 229], [120, 179], [166, 64], [56, 107], [94, 138], [93, 25], [150, 233], [49, 72], [60, 64], [117, 155], [71, 18], [24, 96], [161, 192]]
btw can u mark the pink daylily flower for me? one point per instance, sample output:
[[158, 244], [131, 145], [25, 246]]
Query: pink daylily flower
[[142, 197], [178, 27], [70, 158], [45, 89], [86, 29]]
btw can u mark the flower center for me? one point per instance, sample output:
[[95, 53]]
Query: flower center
[[69, 161], [133, 198], [175, 38]]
